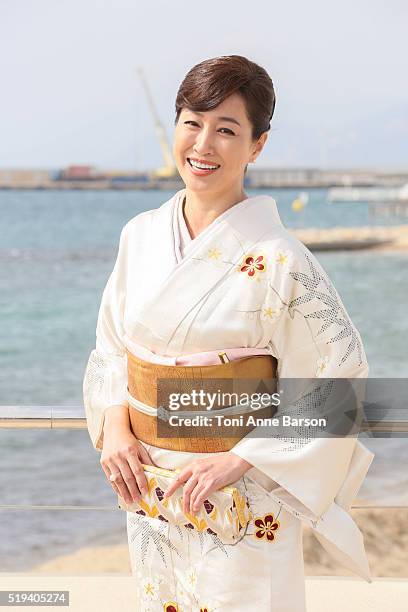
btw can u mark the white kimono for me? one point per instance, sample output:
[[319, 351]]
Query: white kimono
[[244, 281]]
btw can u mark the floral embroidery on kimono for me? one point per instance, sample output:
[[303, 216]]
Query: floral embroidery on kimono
[[253, 264], [266, 527]]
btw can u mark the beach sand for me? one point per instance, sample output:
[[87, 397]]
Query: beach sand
[[385, 534]]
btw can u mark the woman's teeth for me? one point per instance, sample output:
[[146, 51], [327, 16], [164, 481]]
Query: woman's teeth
[[201, 166]]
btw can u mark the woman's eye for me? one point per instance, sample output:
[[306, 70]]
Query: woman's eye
[[227, 130]]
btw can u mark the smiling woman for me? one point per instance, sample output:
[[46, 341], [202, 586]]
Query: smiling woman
[[223, 111], [211, 286]]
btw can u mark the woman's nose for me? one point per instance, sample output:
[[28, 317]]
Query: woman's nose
[[204, 143]]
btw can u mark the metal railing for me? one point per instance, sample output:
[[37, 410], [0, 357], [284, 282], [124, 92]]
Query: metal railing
[[73, 417]]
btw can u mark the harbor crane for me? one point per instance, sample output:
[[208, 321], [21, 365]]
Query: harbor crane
[[169, 169]]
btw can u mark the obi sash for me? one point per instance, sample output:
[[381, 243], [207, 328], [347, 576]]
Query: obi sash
[[145, 379]]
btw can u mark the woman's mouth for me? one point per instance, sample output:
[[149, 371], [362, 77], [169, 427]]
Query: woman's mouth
[[201, 169]]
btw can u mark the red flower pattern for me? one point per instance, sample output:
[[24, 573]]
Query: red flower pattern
[[266, 526], [252, 265]]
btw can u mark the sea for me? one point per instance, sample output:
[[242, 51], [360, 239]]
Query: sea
[[57, 249]]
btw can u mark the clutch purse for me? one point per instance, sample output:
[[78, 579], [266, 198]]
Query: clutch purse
[[224, 514]]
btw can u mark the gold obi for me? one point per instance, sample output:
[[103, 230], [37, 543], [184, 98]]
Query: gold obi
[[143, 377]]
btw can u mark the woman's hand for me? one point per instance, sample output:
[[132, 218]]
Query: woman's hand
[[204, 476], [123, 455]]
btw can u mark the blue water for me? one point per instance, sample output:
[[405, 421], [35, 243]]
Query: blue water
[[56, 252]]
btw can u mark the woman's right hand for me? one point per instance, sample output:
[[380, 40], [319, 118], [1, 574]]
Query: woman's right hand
[[123, 454]]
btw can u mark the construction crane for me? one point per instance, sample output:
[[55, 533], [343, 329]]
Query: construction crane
[[169, 169]]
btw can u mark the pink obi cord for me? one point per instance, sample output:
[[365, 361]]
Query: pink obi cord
[[204, 358]]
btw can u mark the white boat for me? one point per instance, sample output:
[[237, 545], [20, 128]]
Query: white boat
[[368, 194]]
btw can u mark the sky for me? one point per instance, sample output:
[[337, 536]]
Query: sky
[[70, 93]]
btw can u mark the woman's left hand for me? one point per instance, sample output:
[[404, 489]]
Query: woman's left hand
[[204, 476]]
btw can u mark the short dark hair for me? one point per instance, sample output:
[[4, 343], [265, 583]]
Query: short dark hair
[[210, 82]]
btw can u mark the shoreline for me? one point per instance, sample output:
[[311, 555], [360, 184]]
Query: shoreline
[[385, 536], [393, 238]]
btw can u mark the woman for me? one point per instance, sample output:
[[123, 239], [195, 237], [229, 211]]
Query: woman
[[213, 272]]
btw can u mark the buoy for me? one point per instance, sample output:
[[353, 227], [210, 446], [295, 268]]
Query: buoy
[[297, 205], [300, 202]]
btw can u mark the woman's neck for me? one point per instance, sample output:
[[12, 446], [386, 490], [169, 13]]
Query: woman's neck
[[200, 209]]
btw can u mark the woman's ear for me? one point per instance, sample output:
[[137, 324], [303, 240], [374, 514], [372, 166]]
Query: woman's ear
[[259, 146]]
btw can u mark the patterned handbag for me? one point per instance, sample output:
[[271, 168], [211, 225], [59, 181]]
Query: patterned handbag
[[225, 513]]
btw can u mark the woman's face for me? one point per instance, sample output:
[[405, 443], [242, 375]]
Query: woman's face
[[221, 138]]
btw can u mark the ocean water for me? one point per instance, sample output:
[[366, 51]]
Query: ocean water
[[57, 250]]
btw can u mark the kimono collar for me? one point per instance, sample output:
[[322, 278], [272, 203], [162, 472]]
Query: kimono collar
[[258, 205]]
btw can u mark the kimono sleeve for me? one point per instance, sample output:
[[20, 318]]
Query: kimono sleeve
[[313, 340], [105, 378]]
